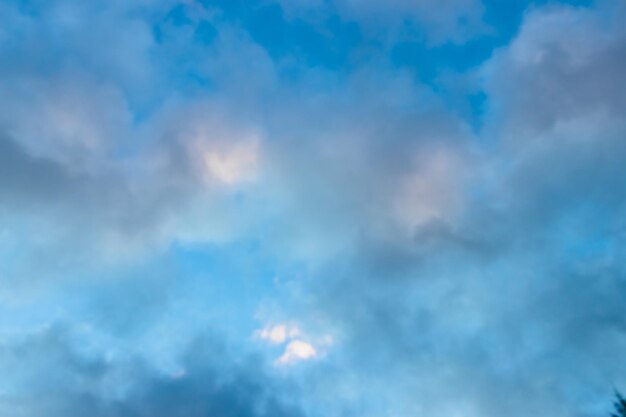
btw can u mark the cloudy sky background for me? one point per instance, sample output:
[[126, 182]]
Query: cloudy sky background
[[312, 208]]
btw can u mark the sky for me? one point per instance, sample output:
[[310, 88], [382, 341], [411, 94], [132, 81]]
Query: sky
[[312, 208]]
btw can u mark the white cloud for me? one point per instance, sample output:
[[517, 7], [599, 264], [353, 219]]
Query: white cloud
[[297, 350]]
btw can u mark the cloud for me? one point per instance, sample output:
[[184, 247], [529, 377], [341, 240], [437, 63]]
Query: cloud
[[233, 166], [558, 48], [501, 295], [279, 333], [190, 177], [123, 164], [448, 21], [297, 350], [83, 381]]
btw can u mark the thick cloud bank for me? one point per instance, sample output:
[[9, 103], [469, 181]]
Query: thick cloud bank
[[312, 208]]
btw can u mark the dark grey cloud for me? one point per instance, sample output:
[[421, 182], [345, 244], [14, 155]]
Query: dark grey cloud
[[58, 375], [24, 177]]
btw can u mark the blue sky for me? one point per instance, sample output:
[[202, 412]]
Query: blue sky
[[312, 208]]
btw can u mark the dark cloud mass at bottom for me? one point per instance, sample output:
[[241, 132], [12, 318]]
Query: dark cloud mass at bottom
[[210, 226], [76, 383]]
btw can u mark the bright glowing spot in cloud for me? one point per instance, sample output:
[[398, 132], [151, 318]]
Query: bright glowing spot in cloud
[[297, 350], [233, 165]]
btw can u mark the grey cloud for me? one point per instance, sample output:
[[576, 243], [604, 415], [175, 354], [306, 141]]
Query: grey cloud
[[24, 177], [509, 304], [31, 184], [130, 197], [561, 134], [60, 224], [570, 62], [516, 306], [517, 333], [54, 374]]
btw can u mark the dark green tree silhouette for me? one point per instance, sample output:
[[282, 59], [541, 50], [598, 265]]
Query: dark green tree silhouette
[[620, 406]]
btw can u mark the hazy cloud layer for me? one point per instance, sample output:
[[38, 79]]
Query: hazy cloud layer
[[258, 209]]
